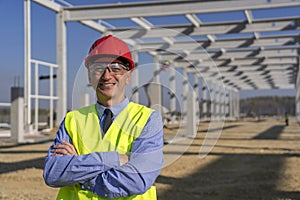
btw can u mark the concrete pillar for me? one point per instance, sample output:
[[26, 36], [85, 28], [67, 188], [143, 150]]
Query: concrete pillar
[[217, 101], [135, 78], [155, 92], [185, 90], [135, 86], [237, 104], [231, 104], [297, 87], [61, 57], [222, 102], [234, 104], [191, 114], [204, 100], [85, 100], [172, 94], [17, 114], [298, 101], [212, 100], [227, 100], [196, 90]]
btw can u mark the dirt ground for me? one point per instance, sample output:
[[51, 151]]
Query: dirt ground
[[250, 160]]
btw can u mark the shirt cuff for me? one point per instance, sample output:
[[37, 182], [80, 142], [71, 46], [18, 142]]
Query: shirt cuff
[[89, 184]]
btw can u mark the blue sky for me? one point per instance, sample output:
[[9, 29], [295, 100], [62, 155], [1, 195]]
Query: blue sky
[[44, 41]]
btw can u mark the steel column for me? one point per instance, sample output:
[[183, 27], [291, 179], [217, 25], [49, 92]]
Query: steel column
[[217, 100], [61, 51], [155, 93], [51, 100], [185, 90], [191, 118], [297, 87], [196, 90], [222, 102], [27, 64], [204, 99], [237, 104], [135, 78], [231, 103], [36, 98], [227, 102], [212, 100], [172, 94]]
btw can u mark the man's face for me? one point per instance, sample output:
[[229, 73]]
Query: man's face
[[109, 77]]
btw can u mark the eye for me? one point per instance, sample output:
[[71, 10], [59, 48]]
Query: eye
[[99, 69], [115, 67], [101, 65]]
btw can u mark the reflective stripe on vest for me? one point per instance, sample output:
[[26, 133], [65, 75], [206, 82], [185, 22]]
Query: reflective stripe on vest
[[83, 127]]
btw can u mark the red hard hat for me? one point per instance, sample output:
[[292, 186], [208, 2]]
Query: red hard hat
[[110, 46]]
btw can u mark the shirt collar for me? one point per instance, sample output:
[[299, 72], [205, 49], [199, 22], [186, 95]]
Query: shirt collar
[[116, 109]]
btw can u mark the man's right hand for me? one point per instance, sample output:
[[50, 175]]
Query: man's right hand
[[65, 148]]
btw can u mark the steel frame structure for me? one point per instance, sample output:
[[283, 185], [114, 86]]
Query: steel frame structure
[[254, 61]]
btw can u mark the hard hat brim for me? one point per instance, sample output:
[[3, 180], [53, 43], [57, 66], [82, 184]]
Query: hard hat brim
[[91, 59]]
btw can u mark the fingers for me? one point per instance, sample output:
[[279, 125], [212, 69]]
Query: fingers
[[59, 151], [64, 149], [71, 149], [123, 159]]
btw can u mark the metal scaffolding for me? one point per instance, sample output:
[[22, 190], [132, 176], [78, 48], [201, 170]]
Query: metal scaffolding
[[230, 55]]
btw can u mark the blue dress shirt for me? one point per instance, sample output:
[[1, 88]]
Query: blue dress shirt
[[100, 172]]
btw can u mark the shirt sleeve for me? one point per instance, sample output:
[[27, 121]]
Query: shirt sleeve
[[139, 174], [66, 170]]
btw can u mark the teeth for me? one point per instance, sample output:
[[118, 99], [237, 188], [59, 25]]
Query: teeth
[[109, 84]]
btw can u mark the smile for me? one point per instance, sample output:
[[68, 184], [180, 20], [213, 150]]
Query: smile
[[107, 84]]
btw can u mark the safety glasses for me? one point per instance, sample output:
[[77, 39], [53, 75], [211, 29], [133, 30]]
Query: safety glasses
[[114, 68]]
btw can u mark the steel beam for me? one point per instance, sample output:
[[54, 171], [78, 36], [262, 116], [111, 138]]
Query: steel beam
[[194, 46], [167, 8], [207, 29], [250, 53]]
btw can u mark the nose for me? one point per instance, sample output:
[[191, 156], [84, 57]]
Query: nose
[[107, 73]]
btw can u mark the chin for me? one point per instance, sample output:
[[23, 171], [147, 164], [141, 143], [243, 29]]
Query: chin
[[107, 94]]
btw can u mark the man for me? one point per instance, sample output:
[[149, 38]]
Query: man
[[112, 149]]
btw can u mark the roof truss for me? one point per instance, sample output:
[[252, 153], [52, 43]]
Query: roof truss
[[248, 53]]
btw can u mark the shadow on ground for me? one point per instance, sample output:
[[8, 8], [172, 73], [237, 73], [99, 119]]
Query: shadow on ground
[[37, 163], [271, 133], [233, 176]]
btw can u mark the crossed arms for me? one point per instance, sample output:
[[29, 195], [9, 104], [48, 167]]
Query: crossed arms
[[108, 174]]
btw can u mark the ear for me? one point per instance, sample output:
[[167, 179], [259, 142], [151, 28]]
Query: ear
[[128, 77], [89, 76]]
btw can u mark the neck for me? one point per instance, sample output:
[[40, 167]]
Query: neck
[[109, 102]]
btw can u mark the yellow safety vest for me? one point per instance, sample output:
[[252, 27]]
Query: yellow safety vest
[[83, 127]]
